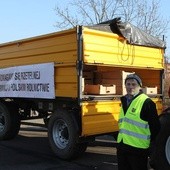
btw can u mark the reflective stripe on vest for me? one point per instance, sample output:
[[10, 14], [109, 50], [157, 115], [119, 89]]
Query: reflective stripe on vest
[[133, 130], [146, 137], [134, 122]]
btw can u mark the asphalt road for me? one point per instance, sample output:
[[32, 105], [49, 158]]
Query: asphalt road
[[30, 150]]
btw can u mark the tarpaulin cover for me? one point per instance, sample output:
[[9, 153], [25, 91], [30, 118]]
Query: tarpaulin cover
[[133, 34]]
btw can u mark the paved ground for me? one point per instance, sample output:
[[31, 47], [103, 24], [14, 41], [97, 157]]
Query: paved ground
[[30, 150]]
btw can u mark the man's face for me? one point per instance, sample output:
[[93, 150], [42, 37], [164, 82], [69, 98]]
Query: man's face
[[132, 87]]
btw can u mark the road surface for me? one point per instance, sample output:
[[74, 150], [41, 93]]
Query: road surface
[[30, 151]]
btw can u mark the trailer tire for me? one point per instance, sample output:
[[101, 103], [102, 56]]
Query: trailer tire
[[46, 121], [161, 153], [63, 135], [9, 120]]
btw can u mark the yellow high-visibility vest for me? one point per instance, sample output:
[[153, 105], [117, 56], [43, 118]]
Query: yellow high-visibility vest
[[133, 130]]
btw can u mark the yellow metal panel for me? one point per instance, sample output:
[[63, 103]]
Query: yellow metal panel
[[66, 89], [126, 60], [102, 116], [54, 39], [159, 105], [57, 47], [99, 117], [60, 48], [66, 81], [64, 57], [38, 52], [67, 70], [108, 48]]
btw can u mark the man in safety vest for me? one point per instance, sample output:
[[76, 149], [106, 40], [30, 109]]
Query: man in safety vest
[[138, 126]]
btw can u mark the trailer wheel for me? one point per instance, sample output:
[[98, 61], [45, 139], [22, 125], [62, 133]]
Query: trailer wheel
[[9, 120], [63, 135], [46, 121], [161, 155]]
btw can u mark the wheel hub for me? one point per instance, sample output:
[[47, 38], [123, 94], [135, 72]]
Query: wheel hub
[[60, 134]]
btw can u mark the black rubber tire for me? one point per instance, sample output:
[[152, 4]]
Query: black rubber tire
[[63, 136], [9, 120], [46, 121], [159, 159]]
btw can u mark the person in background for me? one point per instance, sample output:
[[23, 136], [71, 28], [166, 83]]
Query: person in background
[[138, 126]]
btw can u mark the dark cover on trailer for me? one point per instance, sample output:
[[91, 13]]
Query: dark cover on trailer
[[133, 34]]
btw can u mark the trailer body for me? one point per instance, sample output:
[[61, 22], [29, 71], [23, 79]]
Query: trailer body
[[86, 69]]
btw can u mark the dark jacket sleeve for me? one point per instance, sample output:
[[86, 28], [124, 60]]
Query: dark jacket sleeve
[[149, 113]]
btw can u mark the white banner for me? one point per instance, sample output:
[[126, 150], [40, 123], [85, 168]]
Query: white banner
[[29, 81]]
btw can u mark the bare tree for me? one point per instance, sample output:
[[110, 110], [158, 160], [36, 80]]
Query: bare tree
[[142, 13]]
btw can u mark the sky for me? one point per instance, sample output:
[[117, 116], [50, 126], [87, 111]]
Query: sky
[[21, 19]]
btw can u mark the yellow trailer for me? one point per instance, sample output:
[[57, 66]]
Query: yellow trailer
[[73, 79]]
